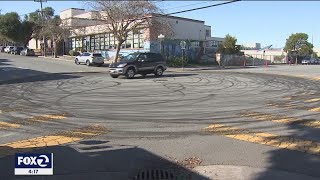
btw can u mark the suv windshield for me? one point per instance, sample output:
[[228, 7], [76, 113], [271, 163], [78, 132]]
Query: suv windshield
[[129, 58]]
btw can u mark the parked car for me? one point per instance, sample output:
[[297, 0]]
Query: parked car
[[16, 50], [306, 60], [138, 63], [309, 60], [89, 59], [314, 61], [27, 52], [8, 49], [2, 48]]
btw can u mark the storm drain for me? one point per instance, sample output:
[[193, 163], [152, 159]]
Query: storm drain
[[160, 174]]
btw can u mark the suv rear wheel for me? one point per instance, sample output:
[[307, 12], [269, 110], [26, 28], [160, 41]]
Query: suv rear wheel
[[158, 72], [130, 73], [76, 61]]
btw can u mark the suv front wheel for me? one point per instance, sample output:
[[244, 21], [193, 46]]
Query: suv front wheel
[[130, 73], [158, 72], [114, 75], [88, 63]]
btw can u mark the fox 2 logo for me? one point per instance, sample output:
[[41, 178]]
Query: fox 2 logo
[[34, 160]]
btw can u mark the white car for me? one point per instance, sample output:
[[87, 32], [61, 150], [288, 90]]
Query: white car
[[8, 49], [89, 59]]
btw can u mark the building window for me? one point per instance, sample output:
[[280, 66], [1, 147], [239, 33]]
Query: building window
[[69, 43], [195, 43], [106, 41], [78, 43], [112, 42], [73, 45], [208, 33], [92, 40], [141, 39], [129, 41], [97, 43], [101, 36], [136, 40]]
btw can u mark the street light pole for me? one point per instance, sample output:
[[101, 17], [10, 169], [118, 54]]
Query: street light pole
[[42, 22]]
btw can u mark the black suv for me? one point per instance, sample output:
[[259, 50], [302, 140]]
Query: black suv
[[138, 63]]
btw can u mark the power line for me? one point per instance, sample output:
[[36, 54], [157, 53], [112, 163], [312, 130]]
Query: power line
[[204, 7], [187, 5]]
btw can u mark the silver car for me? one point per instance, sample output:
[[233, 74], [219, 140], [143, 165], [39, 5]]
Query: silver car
[[90, 58], [306, 60]]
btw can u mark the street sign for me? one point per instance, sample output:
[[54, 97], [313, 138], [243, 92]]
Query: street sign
[[183, 44]]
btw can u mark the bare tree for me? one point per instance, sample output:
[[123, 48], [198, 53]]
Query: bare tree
[[54, 30], [122, 17]]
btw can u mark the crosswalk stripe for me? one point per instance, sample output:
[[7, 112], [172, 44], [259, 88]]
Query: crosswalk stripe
[[283, 142], [52, 140], [5, 125], [31, 120], [315, 109], [46, 117], [313, 100], [7, 110], [281, 119]]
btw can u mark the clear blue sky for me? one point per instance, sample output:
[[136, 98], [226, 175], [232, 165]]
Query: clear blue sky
[[267, 22]]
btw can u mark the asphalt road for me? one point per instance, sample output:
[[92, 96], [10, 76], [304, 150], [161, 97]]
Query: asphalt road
[[117, 128]]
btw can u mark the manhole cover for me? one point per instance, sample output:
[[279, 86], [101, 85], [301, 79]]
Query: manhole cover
[[160, 174]]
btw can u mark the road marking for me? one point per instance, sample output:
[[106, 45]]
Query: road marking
[[40, 119], [52, 140], [313, 100], [35, 119], [10, 110], [315, 109], [281, 119], [46, 117], [5, 125], [279, 105], [283, 142]]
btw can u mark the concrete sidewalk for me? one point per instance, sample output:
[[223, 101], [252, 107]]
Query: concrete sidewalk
[[231, 172]]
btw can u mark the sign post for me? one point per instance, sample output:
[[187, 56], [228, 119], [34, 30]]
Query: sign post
[[183, 47]]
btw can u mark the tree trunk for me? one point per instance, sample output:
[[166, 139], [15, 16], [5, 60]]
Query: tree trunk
[[118, 50], [55, 49]]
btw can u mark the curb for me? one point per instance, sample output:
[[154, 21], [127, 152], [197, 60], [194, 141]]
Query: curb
[[59, 59]]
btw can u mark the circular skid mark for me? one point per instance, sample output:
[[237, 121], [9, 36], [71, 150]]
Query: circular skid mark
[[193, 99]]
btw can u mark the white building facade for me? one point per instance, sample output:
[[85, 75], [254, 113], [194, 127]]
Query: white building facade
[[89, 34]]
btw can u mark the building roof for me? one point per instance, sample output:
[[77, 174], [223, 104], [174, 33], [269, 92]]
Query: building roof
[[177, 17], [72, 8]]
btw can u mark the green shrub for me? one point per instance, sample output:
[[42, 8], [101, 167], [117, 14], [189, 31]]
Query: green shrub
[[176, 61], [73, 53]]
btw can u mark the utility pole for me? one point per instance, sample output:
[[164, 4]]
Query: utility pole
[[42, 22]]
